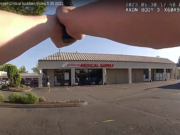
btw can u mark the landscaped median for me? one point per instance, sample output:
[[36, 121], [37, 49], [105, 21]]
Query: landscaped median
[[31, 100], [21, 88]]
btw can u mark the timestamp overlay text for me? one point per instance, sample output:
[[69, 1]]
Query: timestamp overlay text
[[147, 7]]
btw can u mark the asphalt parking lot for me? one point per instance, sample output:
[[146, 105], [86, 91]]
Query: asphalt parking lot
[[128, 109]]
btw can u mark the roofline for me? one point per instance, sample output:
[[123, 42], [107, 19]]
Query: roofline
[[108, 54], [108, 61]]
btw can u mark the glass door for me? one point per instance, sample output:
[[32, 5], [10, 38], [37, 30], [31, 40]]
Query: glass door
[[58, 79]]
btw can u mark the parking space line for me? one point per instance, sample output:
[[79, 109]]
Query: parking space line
[[68, 89], [108, 88], [108, 121], [87, 89], [124, 87]]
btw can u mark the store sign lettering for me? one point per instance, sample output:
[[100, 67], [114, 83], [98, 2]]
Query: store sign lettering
[[97, 65], [90, 65]]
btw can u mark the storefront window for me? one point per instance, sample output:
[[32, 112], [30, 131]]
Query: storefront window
[[88, 76], [159, 74], [146, 73], [62, 77], [167, 70], [159, 70]]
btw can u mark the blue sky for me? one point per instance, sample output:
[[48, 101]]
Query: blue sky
[[88, 45]]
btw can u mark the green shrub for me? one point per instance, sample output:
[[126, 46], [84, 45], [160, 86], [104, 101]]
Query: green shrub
[[15, 97], [13, 76], [1, 97], [23, 86], [42, 99], [17, 79], [29, 98]]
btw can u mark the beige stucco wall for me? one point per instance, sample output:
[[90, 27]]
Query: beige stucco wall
[[178, 73], [58, 64], [117, 76], [137, 75]]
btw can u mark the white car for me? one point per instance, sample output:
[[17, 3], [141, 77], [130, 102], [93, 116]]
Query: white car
[[3, 82]]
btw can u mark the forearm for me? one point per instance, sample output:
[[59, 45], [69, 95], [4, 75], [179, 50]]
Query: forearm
[[108, 19], [19, 33]]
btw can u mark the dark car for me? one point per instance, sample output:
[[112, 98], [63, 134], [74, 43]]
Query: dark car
[[23, 81], [34, 83]]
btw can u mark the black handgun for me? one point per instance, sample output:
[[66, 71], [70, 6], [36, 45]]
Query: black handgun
[[66, 38]]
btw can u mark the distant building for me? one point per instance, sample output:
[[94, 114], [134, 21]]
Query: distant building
[[27, 76], [87, 68]]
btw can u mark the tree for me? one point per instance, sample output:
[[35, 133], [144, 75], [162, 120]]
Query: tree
[[13, 76], [4, 67], [22, 69], [35, 69], [24, 7]]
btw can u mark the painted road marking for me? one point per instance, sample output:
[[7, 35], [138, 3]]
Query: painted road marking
[[124, 87], [88, 89], [68, 89], [108, 121]]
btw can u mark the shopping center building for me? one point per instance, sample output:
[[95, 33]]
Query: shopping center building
[[87, 68]]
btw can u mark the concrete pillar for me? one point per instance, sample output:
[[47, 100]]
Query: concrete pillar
[[175, 73], [154, 74], [130, 75], [40, 75], [104, 76], [171, 74], [164, 75], [50, 74], [150, 79], [72, 76]]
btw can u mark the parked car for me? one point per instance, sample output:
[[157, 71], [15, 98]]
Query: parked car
[[34, 82], [28, 82], [23, 81], [2, 82]]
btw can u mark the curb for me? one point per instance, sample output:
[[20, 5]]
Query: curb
[[4, 105], [19, 90]]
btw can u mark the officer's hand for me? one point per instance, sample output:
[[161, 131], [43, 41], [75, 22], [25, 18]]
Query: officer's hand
[[61, 13]]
